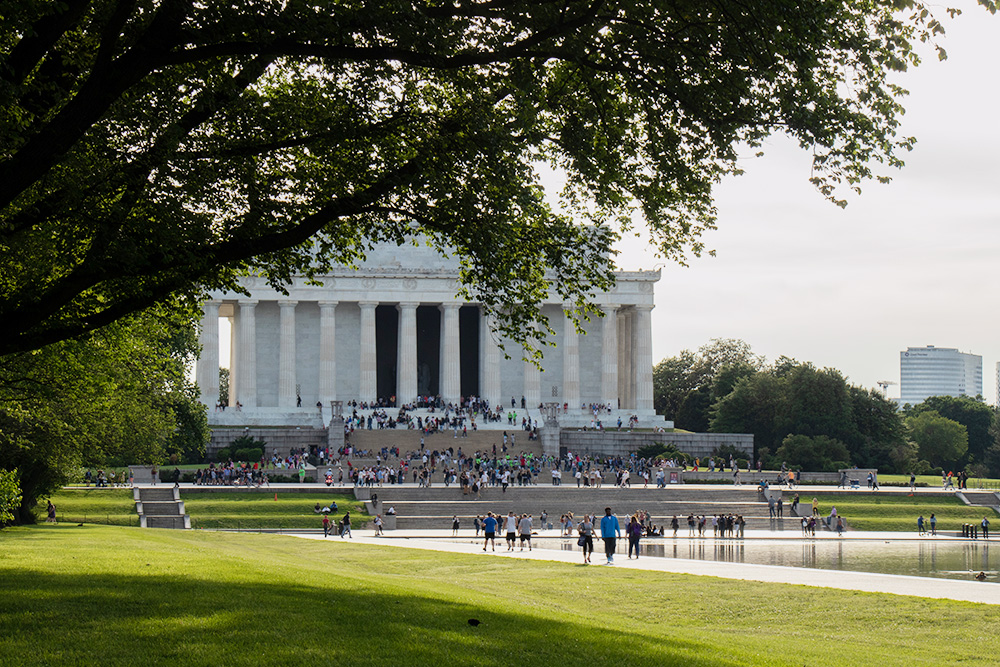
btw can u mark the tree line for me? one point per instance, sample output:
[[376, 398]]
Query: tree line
[[815, 419], [117, 397]]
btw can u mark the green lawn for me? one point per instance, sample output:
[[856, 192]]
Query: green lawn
[[125, 596], [876, 511], [934, 481], [111, 506], [260, 509], [236, 509]]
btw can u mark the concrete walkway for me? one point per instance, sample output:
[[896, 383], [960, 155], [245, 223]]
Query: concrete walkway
[[948, 589]]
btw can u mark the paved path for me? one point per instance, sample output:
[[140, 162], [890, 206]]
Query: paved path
[[949, 589]]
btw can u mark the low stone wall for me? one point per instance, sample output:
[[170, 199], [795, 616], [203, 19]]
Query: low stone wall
[[280, 440], [623, 443]]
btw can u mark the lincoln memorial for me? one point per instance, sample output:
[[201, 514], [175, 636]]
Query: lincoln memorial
[[392, 329]]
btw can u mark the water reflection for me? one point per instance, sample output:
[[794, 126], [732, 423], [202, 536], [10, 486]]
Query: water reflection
[[948, 560]]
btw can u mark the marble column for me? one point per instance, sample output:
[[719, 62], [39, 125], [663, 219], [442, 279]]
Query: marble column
[[490, 386], [208, 361], [451, 360], [406, 379], [247, 395], [571, 361], [286, 354], [642, 329], [369, 376], [609, 357], [532, 378], [625, 382], [327, 352], [234, 357]]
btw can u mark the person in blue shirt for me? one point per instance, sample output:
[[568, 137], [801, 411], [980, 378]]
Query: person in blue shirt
[[490, 531], [610, 532]]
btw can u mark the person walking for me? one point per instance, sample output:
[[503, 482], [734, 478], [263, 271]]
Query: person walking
[[510, 526], [454, 526], [345, 526], [489, 531], [610, 532], [920, 525], [586, 529], [524, 530], [326, 525], [633, 532], [913, 483]]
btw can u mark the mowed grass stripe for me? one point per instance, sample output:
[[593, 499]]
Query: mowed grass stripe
[[123, 596], [243, 509]]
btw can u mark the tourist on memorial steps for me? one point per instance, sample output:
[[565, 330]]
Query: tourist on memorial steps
[[454, 525], [610, 532], [326, 525]]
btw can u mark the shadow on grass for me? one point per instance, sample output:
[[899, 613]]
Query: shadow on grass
[[50, 618]]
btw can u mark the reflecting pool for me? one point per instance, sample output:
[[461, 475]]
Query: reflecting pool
[[945, 559]]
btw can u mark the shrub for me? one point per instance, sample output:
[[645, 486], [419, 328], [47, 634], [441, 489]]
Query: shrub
[[247, 453]]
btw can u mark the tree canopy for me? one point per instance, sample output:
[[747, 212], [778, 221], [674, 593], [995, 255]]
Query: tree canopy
[[154, 149], [845, 423], [941, 441], [118, 396], [972, 413], [685, 386]]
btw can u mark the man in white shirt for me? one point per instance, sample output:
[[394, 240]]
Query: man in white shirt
[[510, 526]]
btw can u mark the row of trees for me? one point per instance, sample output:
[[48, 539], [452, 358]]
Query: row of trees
[[118, 396], [814, 418]]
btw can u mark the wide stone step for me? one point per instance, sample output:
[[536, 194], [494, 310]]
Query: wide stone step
[[162, 509], [173, 522], [548, 493], [148, 494]]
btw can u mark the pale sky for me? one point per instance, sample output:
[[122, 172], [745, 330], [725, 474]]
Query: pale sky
[[911, 263]]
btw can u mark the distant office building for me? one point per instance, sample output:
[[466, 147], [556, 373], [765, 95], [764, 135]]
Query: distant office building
[[938, 371], [998, 384]]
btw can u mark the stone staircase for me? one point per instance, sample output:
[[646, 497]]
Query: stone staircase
[[433, 508], [409, 440], [980, 499], [160, 508]]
